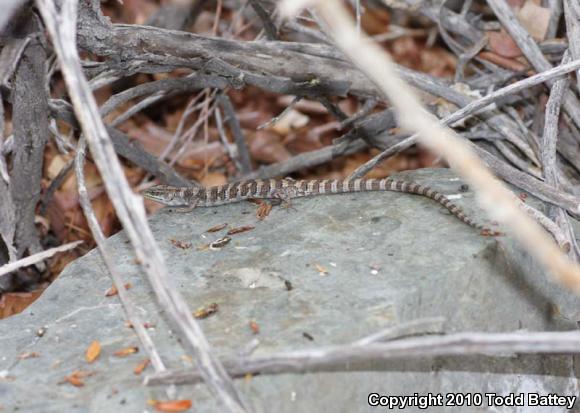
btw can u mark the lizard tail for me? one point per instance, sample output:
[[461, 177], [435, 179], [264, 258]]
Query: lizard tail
[[418, 189]]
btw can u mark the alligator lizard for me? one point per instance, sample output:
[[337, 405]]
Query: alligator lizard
[[187, 198]]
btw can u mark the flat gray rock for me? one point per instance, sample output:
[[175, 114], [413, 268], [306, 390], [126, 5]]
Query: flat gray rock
[[389, 258]]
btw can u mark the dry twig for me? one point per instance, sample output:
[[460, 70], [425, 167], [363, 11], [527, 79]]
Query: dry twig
[[38, 257], [495, 198], [62, 29], [368, 353]]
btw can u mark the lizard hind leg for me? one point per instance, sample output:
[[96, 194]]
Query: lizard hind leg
[[283, 201], [283, 197]]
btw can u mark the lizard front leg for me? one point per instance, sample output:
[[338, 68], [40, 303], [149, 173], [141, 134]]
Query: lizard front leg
[[185, 208]]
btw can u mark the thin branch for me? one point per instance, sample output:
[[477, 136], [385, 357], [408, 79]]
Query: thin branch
[[572, 13], [495, 198], [432, 325], [38, 257], [54, 185], [344, 357], [186, 84], [364, 111], [131, 150], [267, 23], [243, 154], [277, 118], [531, 50], [473, 108], [549, 157], [128, 206], [99, 237]]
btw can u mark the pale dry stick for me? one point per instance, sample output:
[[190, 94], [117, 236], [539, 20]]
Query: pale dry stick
[[277, 118], [343, 357], [561, 238], [548, 155], [472, 109], [531, 50], [129, 207], [157, 90], [99, 238], [38, 257], [494, 197], [555, 7], [268, 25], [138, 107], [396, 32], [190, 134], [191, 107], [205, 114], [240, 141], [572, 14], [421, 326], [229, 148]]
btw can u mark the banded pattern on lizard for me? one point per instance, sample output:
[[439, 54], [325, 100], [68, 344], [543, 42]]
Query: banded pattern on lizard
[[187, 198]]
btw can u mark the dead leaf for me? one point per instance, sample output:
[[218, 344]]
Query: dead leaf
[[180, 244], [213, 179], [146, 324], [75, 381], [535, 19], [170, 406], [503, 44], [254, 327], [76, 378], [205, 311], [55, 165], [29, 355], [217, 228], [321, 270], [141, 366], [291, 120], [14, 303], [239, 230], [263, 210], [506, 63], [126, 351], [93, 352], [113, 290]]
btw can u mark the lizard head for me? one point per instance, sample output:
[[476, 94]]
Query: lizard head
[[171, 195]]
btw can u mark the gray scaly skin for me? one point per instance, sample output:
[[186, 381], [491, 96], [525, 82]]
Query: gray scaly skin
[[186, 199]]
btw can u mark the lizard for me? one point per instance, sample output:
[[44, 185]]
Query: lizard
[[185, 199]]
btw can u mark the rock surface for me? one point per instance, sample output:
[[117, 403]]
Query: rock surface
[[390, 258]]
